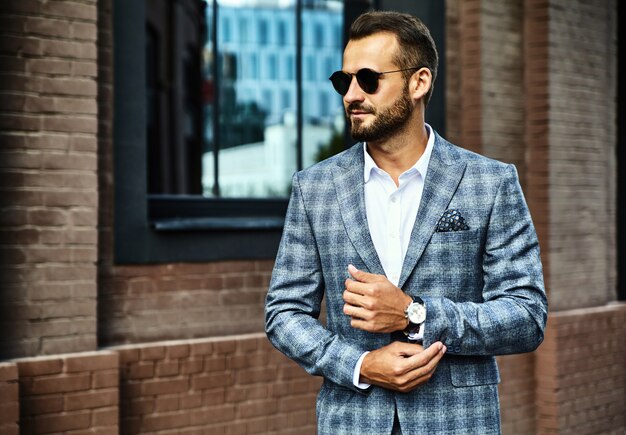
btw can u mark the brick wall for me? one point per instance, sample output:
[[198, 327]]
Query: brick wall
[[517, 394], [170, 301], [148, 303], [581, 379], [582, 113], [236, 385], [536, 43], [502, 82], [9, 399], [453, 71], [470, 52], [74, 392], [48, 181]]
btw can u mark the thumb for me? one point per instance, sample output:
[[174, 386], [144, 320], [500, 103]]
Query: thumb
[[360, 275]]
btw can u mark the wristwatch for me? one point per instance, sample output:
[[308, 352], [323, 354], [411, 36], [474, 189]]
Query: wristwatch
[[416, 314]]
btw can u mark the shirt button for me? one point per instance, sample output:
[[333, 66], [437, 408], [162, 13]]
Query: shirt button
[[394, 199]]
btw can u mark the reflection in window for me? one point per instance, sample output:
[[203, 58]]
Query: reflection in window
[[263, 32], [271, 67], [290, 67], [243, 30], [226, 32], [251, 137], [282, 33]]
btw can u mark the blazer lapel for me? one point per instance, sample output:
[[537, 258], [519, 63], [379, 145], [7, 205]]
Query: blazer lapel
[[349, 187], [442, 178]]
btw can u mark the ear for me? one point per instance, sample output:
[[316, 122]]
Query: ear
[[420, 83]]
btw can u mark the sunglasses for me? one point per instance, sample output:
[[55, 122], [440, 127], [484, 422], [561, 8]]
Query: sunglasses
[[365, 77]]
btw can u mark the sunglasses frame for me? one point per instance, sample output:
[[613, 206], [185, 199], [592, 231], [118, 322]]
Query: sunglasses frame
[[340, 79]]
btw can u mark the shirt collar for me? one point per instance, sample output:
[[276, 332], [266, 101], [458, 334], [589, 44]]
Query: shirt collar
[[421, 165]]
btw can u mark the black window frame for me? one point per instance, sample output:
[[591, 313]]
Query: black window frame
[[154, 229]]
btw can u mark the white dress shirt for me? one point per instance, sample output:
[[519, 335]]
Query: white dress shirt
[[391, 211]]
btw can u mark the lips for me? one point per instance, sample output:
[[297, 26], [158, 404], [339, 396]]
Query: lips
[[356, 109]]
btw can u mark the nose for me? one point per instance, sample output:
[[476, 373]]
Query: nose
[[355, 93]]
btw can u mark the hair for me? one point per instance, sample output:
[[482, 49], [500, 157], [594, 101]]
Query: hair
[[417, 47]]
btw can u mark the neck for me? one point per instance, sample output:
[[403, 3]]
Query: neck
[[398, 153]]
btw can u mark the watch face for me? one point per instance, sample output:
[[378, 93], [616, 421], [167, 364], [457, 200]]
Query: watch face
[[416, 313]]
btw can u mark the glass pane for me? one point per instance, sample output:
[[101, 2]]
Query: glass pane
[[323, 119], [256, 135]]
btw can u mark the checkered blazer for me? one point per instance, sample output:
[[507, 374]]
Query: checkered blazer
[[482, 286]]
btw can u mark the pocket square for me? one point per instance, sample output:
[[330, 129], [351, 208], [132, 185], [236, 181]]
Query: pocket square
[[451, 220]]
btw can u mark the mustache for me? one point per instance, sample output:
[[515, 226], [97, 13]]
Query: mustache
[[355, 105]]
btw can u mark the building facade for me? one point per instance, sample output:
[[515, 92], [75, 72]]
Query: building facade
[[132, 290]]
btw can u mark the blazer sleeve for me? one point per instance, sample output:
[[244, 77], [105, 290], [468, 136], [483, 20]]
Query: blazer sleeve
[[512, 316], [293, 303]]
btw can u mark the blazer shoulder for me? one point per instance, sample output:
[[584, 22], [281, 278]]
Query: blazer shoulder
[[322, 169]]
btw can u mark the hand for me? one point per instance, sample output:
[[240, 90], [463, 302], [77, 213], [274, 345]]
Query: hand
[[401, 366], [374, 303]]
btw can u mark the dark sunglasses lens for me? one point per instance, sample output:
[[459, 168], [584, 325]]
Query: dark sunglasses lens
[[368, 80], [341, 81]]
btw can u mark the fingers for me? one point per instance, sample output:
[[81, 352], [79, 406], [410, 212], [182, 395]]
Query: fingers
[[402, 366], [433, 351], [422, 373], [361, 276]]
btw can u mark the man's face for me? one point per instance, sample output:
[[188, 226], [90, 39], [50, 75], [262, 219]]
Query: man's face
[[377, 116]]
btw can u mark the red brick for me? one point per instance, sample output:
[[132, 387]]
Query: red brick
[[105, 378], [191, 400], [144, 405], [201, 348], [219, 414], [127, 355], [38, 367], [166, 403], [215, 396], [9, 411], [191, 366], [167, 368], [141, 370], [105, 417], [153, 353], [178, 351], [215, 364], [91, 399], [58, 423], [57, 384], [37, 405], [256, 408], [225, 347], [156, 422], [164, 386], [203, 382], [8, 372]]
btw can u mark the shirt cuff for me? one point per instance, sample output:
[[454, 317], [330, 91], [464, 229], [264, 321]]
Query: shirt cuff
[[417, 336], [357, 374]]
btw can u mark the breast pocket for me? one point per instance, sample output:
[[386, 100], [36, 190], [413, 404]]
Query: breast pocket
[[467, 236]]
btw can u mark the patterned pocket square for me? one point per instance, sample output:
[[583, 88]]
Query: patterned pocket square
[[451, 220]]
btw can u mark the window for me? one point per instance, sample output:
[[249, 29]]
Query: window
[[290, 67], [263, 32], [282, 33], [205, 141], [226, 32]]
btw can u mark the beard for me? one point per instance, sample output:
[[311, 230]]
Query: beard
[[386, 123]]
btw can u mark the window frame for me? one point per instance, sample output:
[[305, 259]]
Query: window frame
[[155, 229]]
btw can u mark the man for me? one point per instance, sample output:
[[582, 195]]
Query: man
[[425, 252]]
